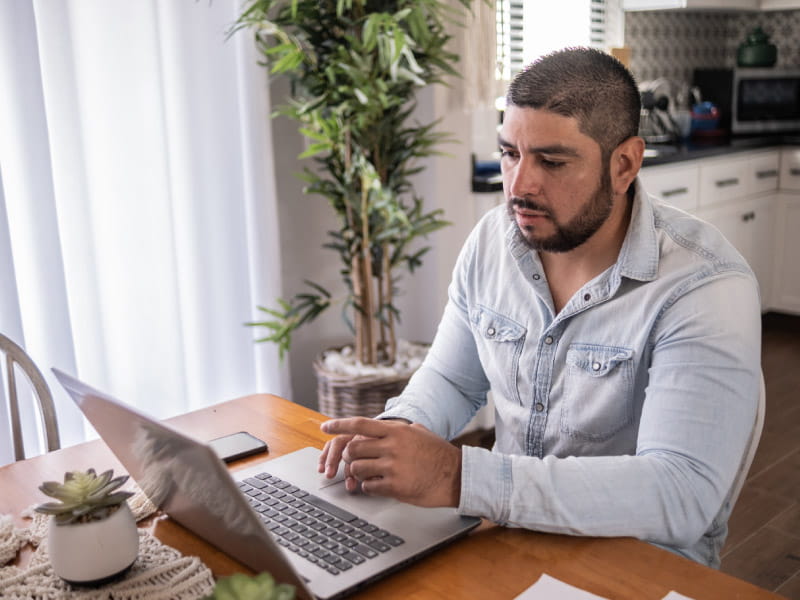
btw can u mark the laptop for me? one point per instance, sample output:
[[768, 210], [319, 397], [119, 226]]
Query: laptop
[[279, 515]]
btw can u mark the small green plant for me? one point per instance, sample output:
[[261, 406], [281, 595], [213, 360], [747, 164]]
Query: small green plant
[[245, 587], [83, 497]]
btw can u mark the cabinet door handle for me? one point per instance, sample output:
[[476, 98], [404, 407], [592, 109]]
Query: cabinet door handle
[[768, 173], [748, 216], [794, 171], [727, 182], [675, 192]]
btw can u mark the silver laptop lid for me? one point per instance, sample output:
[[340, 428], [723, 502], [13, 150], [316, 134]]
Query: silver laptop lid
[[186, 479]]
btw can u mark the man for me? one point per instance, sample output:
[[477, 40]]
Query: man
[[620, 338]]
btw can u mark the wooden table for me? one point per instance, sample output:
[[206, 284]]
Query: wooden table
[[491, 562]]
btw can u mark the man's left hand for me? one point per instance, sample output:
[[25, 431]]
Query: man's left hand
[[406, 462]]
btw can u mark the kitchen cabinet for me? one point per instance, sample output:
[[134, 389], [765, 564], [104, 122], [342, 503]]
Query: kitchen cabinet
[[790, 170], [764, 171], [676, 184], [749, 225], [691, 4], [780, 4], [737, 176], [737, 193], [786, 288], [729, 5], [723, 180]]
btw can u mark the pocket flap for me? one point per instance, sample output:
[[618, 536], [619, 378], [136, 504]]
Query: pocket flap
[[495, 327], [595, 360]]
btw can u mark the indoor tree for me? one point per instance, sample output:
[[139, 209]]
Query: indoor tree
[[355, 67]]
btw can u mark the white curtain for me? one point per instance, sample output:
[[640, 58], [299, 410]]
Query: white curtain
[[138, 226]]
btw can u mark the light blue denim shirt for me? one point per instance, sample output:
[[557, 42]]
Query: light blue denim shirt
[[625, 414]]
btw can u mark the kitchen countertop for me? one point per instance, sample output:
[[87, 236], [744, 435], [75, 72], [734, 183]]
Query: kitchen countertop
[[660, 154], [663, 154]]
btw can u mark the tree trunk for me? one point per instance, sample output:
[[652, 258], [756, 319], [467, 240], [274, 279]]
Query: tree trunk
[[390, 345], [358, 317], [367, 300], [368, 306]]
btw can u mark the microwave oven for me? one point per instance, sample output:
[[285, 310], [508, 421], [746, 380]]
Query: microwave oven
[[753, 100]]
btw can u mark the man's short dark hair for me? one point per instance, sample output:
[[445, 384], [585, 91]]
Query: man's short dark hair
[[584, 83]]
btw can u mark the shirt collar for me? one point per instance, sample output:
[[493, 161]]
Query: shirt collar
[[638, 257]]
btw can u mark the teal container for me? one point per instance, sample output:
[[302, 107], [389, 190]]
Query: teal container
[[757, 51]]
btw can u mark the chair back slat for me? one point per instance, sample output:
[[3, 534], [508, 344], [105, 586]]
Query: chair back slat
[[15, 355]]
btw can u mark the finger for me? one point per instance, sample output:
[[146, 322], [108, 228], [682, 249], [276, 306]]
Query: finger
[[361, 447], [357, 426], [377, 486], [370, 468], [350, 482], [332, 455], [323, 457]]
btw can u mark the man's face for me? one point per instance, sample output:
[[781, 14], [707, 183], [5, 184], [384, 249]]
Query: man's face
[[556, 187]]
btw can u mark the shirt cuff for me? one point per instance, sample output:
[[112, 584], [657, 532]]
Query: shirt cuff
[[486, 482], [409, 413]]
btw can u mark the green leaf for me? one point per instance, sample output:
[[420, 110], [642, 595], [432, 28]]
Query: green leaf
[[246, 587], [287, 62], [315, 149], [314, 135]]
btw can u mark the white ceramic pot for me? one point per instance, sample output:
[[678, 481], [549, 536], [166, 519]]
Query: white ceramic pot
[[96, 552]]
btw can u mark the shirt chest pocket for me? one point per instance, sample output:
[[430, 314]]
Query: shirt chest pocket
[[500, 341], [598, 400]]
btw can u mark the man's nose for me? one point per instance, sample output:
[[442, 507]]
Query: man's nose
[[525, 180]]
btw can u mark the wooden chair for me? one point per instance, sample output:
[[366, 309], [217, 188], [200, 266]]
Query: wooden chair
[[16, 355]]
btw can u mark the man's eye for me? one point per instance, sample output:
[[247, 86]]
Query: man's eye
[[506, 153], [552, 164]]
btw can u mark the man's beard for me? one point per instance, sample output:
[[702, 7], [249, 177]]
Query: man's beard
[[575, 232]]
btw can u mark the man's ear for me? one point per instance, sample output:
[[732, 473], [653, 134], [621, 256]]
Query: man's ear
[[626, 160]]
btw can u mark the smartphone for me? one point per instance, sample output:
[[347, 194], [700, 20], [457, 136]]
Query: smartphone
[[237, 445]]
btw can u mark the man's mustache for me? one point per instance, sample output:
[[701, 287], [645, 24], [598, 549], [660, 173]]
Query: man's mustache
[[529, 205]]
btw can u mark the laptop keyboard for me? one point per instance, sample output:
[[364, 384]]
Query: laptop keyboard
[[322, 533]]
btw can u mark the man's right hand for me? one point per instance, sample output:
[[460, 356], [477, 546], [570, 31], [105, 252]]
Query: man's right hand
[[332, 455], [395, 459]]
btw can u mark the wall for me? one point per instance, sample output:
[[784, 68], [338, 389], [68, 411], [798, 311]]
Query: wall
[[672, 43]]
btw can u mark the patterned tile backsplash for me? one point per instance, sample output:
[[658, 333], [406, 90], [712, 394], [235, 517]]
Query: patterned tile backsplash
[[672, 43]]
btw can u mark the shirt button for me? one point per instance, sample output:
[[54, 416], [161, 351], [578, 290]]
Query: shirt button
[[490, 332], [536, 276], [539, 407], [596, 366], [548, 340], [587, 297]]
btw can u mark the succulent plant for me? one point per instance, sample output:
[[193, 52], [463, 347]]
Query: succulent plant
[[245, 587], [84, 497]]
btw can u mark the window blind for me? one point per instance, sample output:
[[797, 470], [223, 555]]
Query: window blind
[[526, 30]]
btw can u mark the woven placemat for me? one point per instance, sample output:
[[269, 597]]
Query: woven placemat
[[159, 573]]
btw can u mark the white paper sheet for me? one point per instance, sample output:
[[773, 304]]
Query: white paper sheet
[[547, 588]]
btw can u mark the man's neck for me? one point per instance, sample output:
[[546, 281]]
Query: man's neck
[[567, 272]]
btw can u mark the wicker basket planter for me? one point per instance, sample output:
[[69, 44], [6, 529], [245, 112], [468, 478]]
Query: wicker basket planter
[[343, 395]]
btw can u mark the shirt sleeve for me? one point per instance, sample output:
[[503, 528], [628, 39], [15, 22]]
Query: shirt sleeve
[[450, 386], [698, 415]]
